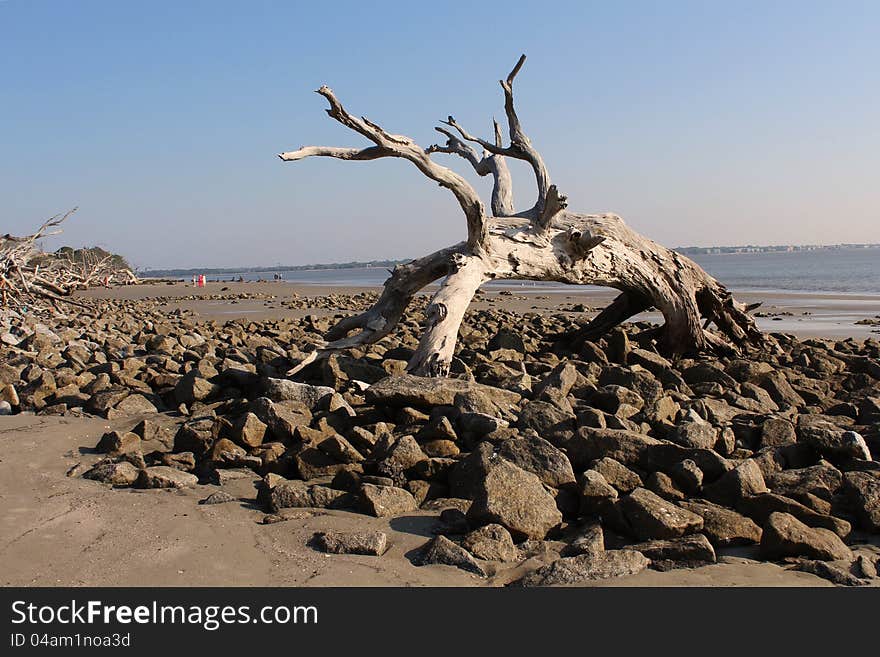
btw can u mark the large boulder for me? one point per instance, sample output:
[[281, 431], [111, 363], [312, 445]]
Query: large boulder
[[421, 392], [440, 550], [279, 390], [550, 421], [639, 451], [122, 473], [385, 501], [650, 516], [780, 390], [617, 474], [863, 491], [830, 440], [538, 456], [759, 508], [786, 536], [293, 494], [724, 527], [664, 554], [249, 430], [492, 543], [743, 481], [515, 499], [821, 480], [586, 568], [372, 543], [163, 476]]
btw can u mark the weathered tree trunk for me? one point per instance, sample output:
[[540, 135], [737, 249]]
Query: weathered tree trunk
[[545, 242]]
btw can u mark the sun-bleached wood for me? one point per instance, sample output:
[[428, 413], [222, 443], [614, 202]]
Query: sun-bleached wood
[[545, 242]]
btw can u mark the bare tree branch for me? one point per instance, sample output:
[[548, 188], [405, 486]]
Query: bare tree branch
[[389, 145], [502, 189], [520, 146]]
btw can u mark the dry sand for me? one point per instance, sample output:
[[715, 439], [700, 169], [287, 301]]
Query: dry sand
[[58, 530], [67, 531]]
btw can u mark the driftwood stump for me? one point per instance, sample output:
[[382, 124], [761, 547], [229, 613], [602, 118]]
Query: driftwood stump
[[545, 242]]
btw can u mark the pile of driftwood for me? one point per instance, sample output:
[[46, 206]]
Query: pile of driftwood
[[34, 280]]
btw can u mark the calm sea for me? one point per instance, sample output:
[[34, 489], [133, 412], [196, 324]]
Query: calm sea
[[839, 271]]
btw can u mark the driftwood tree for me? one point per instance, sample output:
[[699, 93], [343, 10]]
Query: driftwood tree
[[31, 279], [544, 242]]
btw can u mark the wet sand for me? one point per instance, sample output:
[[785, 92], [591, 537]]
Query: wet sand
[[805, 315]]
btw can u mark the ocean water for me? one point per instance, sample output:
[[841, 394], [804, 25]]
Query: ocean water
[[833, 271]]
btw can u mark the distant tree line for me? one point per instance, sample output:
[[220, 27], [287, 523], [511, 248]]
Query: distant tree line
[[157, 273]]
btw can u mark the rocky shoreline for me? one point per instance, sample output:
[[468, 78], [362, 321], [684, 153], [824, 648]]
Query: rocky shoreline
[[603, 458]]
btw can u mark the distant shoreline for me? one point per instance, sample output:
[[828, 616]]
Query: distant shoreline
[[388, 264]]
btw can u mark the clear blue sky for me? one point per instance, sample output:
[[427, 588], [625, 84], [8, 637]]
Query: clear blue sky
[[699, 122]]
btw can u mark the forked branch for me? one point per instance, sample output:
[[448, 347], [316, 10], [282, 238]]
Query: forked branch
[[502, 190], [520, 146], [389, 145]]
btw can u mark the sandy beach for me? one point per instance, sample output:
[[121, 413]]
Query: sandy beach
[[66, 531], [802, 314]]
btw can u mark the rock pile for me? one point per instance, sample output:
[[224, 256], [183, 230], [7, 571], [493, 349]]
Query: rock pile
[[606, 456]]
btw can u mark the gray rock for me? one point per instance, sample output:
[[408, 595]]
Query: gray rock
[[701, 435], [298, 494], [554, 424], [249, 430], [468, 474], [590, 539], [866, 567], [724, 527], [831, 572], [662, 484], [639, 451], [516, 499], [421, 392], [400, 457], [117, 442], [822, 480], [312, 463], [743, 481], [618, 475], [163, 476], [340, 449], [539, 457], [759, 507], [650, 516], [862, 489], [440, 550], [491, 543], [596, 493], [587, 567], [780, 390], [651, 361], [777, 432], [279, 390], [220, 497], [122, 473], [687, 475], [708, 373], [610, 398], [371, 543], [831, 440], [192, 388], [786, 536], [689, 550], [384, 501]]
